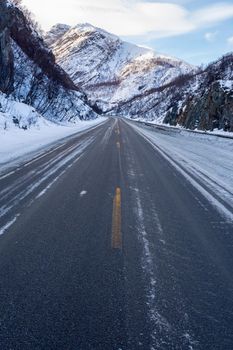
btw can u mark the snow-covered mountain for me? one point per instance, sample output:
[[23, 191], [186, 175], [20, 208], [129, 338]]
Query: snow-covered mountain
[[29, 75], [109, 70], [204, 100], [55, 33]]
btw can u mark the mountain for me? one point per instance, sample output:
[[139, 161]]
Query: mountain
[[61, 75], [109, 70], [205, 100], [124, 79], [55, 33], [6, 54], [29, 72]]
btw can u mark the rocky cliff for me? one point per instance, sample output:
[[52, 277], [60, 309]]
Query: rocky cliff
[[206, 100], [34, 47], [6, 54], [36, 78]]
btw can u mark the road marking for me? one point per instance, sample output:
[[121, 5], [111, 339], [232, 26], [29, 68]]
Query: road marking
[[118, 145], [116, 221]]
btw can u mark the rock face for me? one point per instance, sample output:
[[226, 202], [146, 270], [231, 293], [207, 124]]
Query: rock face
[[33, 87], [109, 70], [206, 102], [55, 33], [6, 55], [34, 47], [36, 79]]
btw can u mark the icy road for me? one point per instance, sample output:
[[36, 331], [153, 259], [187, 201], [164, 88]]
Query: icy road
[[119, 237]]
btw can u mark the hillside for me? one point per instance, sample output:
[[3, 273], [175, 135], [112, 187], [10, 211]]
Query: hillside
[[206, 99], [109, 70], [124, 79], [29, 73]]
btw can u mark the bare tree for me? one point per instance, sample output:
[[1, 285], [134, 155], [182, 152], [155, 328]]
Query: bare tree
[[29, 15], [17, 2]]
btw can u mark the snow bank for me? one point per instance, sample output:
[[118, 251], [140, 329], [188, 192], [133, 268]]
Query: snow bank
[[181, 129], [24, 131], [21, 144], [16, 114]]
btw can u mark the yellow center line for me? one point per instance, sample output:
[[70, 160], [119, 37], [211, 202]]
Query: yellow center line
[[116, 221]]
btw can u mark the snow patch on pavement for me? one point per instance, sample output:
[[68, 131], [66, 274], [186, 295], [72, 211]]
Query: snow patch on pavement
[[205, 161], [109, 132], [158, 322], [8, 225], [147, 265], [17, 192], [83, 193]]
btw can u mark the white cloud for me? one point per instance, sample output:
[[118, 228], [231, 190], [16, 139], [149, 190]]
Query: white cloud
[[130, 17], [230, 41], [211, 36], [213, 14]]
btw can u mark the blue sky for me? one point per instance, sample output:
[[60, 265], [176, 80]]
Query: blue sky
[[194, 30], [199, 47], [202, 45]]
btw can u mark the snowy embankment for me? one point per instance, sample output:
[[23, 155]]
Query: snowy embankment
[[180, 129], [24, 132], [205, 161]]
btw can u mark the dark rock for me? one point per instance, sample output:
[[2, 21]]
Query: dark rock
[[34, 47], [207, 101], [6, 55]]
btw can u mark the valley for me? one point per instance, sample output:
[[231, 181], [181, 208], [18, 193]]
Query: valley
[[116, 177]]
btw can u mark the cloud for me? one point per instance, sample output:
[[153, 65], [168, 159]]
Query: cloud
[[230, 41], [211, 36], [131, 17], [213, 14], [135, 18]]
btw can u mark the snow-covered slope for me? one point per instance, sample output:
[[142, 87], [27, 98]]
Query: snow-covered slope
[[109, 70], [205, 100], [49, 98], [18, 115], [55, 33], [29, 74], [24, 133]]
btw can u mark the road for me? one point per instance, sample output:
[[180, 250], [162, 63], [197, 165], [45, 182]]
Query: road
[[105, 245]]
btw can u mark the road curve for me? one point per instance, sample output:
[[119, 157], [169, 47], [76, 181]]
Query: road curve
[[104, 245]]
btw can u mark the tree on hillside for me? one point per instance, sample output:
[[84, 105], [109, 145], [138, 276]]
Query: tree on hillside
[[29, 15]]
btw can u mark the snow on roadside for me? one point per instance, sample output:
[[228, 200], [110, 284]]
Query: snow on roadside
[[19, 143], [208, 158], [24, 131], [159, 122]]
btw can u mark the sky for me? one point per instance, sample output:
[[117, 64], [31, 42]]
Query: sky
[[194, 30]]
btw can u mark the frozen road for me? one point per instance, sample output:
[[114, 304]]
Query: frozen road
[[108, 242]]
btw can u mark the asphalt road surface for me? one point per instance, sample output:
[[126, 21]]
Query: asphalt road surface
[[105, 246]]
